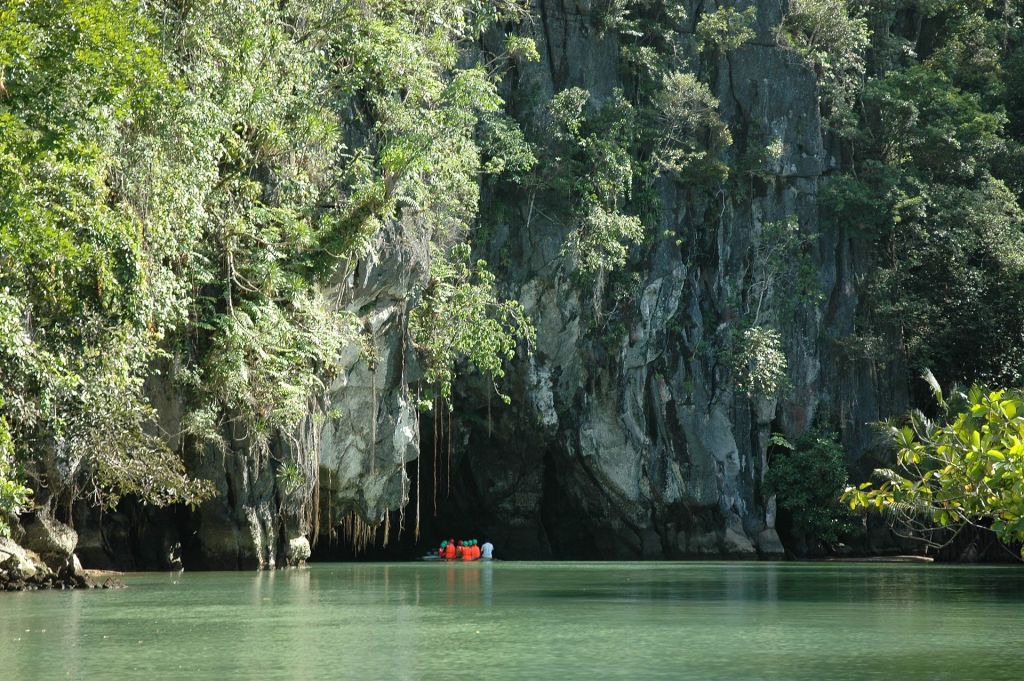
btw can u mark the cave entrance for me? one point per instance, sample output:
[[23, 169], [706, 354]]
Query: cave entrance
[[450, 506]]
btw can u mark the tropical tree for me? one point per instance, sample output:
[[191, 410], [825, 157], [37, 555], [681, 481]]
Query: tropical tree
[[182, 187], [966, 469]]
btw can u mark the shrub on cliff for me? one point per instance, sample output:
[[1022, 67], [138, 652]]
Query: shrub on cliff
[[807, 478]]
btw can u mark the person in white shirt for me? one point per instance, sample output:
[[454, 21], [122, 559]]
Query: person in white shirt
[[487, 551]]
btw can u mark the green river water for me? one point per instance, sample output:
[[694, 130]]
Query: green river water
[[736, 621]]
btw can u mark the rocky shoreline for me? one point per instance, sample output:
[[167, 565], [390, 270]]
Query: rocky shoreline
[[39, 555]]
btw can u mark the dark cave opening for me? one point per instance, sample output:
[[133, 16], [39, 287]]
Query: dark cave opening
[[443, 488]]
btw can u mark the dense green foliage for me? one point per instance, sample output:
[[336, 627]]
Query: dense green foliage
[[725, 28], [181, 184], [833, 36], [933, 186], [80, 315], [929, 121], [595, 163], [759, 365], [965, 469], [462, 316], [922, 105], [807, 479], [690, 135], [14, 495], [186, 188]]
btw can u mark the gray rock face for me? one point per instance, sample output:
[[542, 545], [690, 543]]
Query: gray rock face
[[635, 443], [352, 462], [22, 569], [53, 540], [619, 444], [18, 563], [623, 441], [374, 430]]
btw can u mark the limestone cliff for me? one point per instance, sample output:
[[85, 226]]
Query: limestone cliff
[[623, 440], [633, 443]]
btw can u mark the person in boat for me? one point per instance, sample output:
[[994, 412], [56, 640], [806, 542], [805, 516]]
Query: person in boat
[[467, 550], [476, 548], [449, 550], [487, 551]]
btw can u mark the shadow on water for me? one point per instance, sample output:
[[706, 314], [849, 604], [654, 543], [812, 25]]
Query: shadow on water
[[804, 583]]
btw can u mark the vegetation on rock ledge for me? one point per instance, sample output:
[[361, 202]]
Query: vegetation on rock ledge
[[186, 189], [180, 186]]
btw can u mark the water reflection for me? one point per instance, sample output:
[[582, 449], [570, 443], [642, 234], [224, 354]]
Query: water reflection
[[515, 620], [487, 574]]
